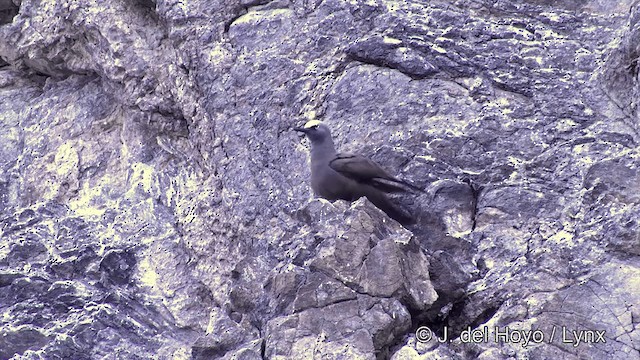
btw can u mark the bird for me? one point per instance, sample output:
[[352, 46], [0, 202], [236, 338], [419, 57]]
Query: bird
[[344, 176]]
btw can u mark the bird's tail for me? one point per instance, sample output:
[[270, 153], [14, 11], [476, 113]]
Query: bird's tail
[[394, 185], [382, 202]]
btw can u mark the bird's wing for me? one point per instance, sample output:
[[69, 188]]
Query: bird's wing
[[357, 167], [362, 169]]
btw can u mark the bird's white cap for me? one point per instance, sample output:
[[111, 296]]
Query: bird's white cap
[[312, 123]]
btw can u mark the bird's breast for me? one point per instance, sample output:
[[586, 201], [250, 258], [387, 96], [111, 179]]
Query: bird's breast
[[331, 185]]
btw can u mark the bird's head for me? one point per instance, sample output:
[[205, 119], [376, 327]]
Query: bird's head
[[316, 131]]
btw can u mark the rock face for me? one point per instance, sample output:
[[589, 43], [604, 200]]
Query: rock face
[[154, 202]]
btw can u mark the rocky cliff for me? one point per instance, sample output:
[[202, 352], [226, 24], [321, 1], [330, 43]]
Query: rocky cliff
[[154, 200]]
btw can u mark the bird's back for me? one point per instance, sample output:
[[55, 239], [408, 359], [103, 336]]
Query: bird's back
[[332, 185]]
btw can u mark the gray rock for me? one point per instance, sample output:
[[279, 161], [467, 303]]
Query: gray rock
[[373, 258], [355, 329], [154, 202]]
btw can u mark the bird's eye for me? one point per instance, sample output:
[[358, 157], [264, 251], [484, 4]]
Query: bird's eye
[[314, 127]]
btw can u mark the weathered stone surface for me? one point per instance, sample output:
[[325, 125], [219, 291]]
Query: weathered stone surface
[[154, 202], [355, 329], [373, 258]]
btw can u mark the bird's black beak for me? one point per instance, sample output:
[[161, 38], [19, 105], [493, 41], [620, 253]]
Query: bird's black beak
[[302, 130]]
